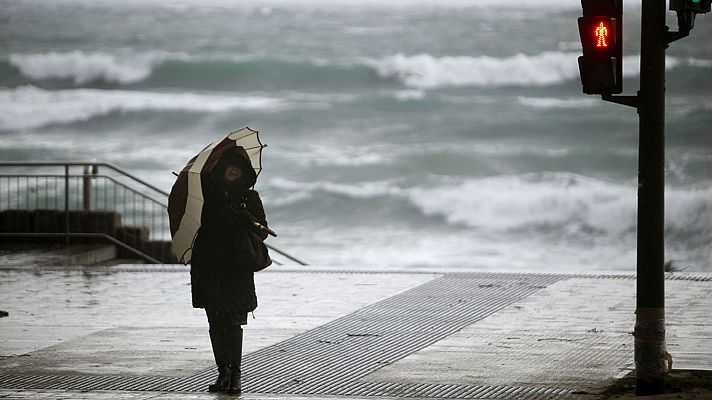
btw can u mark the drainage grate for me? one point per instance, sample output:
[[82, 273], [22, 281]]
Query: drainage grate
[[333, 358]]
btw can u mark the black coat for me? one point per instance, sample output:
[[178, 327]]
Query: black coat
[[222, 267]]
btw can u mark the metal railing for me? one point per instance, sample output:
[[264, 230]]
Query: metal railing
[[87, 200], [84, 200]]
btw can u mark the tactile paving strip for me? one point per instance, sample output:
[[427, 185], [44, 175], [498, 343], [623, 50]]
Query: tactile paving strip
[[332, 359]]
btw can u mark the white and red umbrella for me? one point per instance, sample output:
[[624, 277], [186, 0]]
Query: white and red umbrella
[[185, 202]]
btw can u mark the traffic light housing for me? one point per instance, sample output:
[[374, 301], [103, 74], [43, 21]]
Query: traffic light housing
[[601, 31], [687, 10], [695, 6]]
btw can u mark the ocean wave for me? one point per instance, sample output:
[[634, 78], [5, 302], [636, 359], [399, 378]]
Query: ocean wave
[[563, 200], [342, 156], [562, 204], [696, 62], [553, 102], [631, 64], [210, 72], [177, 70], [415, 72], [30, 107], [353, 190], [559, 204], [82, 68], [544, 69], [427, 71]]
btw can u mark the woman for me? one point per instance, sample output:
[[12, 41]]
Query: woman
[[222, 277]]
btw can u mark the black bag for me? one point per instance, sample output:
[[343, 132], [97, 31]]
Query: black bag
[[259, 251]]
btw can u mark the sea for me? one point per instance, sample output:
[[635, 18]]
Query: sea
[[417, 135]]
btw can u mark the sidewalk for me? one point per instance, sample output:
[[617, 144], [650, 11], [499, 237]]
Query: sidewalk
[[129, 332]]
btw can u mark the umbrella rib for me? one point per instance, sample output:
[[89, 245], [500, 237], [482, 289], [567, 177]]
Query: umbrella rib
[[182, 257], [261, 146], [192, 243]]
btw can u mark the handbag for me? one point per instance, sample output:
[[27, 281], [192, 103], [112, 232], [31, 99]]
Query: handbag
[[255, 245], [259, 251]]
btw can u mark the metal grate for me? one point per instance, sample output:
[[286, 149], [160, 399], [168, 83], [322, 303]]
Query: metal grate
[[332, 358]]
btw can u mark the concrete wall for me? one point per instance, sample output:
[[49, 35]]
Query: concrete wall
[[81, 221]]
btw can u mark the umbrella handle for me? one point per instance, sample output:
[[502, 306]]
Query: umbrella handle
[[264, 228]]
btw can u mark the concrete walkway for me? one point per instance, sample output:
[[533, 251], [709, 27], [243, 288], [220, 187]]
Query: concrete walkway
[[129, 332]]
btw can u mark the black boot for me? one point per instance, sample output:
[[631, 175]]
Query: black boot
[[234, 343], [235, 386], [222, 359], [222, 383]]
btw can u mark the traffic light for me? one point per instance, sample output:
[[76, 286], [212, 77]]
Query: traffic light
[[687, 10], [695, 6], [601, 30]]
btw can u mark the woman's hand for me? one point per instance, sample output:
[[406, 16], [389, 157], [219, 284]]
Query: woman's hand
[[244, 217]]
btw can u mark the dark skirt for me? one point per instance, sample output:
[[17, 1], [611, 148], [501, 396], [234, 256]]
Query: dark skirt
[[218, 319]]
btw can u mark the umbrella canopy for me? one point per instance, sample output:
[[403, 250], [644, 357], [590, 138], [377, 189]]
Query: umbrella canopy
[[185, 202]]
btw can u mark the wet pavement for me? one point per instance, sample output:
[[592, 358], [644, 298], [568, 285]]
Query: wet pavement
[[129, 332]]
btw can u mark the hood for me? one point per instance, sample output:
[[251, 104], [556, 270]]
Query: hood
[[239, 157]]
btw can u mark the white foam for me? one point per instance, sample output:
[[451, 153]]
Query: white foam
[[689, 209], [420, 71], [631, 65], [31, 107], [83, 67], [356, 190], [553, 102], [501, 203], [696, 62], [427, 71], [342, 155], [409, 95]]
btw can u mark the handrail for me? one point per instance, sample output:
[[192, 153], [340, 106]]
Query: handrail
[[79, 163], [66, 175], [145, 196], [85, 235], [298, 261], [123, 185]]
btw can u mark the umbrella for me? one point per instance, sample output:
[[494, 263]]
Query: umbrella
[[185, 202]]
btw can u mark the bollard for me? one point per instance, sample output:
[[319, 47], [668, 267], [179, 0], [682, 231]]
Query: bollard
[[89, 170]]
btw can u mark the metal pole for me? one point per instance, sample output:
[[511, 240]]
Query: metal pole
[[66, 205], [89, 170], [650, 304]]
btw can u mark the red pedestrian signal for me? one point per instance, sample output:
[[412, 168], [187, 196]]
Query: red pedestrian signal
[[598, 35], [601, 33], [601, 65]]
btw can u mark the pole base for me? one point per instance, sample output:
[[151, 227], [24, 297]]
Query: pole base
[[649, 388]]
